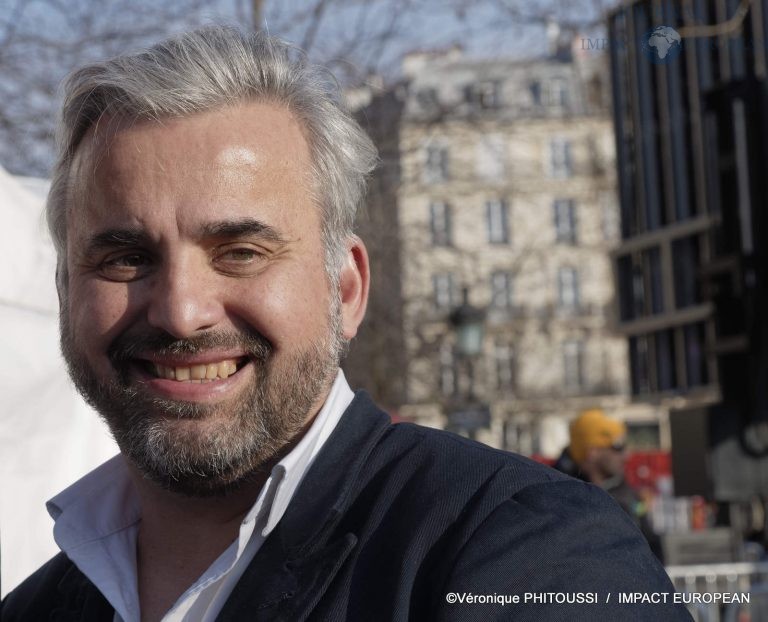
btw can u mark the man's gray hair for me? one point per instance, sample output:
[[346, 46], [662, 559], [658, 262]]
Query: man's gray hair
[[206, 69]]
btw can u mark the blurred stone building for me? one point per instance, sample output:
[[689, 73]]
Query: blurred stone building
[[692, 129], [498, 179]]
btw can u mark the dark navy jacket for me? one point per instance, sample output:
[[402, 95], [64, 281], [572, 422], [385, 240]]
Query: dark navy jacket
[[392, 521]]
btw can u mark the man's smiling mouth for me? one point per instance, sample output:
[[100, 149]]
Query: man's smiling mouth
[[200, 373]]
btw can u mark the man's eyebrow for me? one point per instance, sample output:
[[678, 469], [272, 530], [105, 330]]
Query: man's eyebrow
[[241, 228], [115, 238], [130, 238]]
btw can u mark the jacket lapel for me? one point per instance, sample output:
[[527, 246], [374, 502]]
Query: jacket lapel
[[300, 558], [274, 588]]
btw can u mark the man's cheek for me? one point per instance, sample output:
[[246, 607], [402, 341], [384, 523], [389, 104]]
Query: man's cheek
[[94, 325], [103, 306]]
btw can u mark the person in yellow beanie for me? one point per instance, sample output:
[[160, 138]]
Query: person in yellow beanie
[[597, 454], [598, 446]]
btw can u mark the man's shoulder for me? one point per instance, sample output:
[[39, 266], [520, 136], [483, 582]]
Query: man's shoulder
[[443, 466], [447, 459], [432, 482], [484, 491], [36, 595], [447, 480], [473, 519], [57, 586]]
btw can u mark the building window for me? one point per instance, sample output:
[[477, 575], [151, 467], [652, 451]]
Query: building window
[[557, 92], [669, 360], [685, 270], [666, 358], [573, 354], [695, 355], [568, 288], [427, 99], [641, 286], [501, 290], [448, 384], [440, 223], [487, 94], [520, 436], [444, 290], [560, 158], [436, 164], [610, 217], [639, 362], [504, 357], [534, 88], [497, 219], [565, 220], [491, 157]]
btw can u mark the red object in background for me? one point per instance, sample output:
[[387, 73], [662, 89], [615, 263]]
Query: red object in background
[[644, 468], [543, 460], [699, 514]]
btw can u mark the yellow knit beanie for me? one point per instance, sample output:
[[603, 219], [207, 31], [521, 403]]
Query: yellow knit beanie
[[593, 429]]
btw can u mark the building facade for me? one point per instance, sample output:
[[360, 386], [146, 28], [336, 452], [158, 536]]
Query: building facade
[[497, 183], [691, 151]]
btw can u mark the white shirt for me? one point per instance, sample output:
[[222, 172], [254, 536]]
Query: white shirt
[[97, 521]]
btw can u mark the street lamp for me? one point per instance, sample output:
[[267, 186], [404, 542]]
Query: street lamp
[[469, 324]]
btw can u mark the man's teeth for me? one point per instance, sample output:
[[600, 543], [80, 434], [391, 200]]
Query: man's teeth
[[198, 373]]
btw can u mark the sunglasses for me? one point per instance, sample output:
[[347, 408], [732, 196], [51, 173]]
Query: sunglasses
[[618, 447]]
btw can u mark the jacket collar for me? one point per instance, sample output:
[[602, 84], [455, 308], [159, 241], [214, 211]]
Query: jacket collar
[[298, 561]]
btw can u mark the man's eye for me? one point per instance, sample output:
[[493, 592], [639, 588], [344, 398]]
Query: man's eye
[[128, 261], [127, 267], [239, 260], [240, 254]]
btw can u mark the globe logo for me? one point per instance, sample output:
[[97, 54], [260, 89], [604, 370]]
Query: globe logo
[[662, 45]]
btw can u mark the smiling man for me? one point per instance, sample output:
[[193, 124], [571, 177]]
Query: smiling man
[[213, 335], [202, 209]]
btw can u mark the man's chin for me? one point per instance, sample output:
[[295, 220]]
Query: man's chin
[[177, 456], [193, 450], [200, 485]]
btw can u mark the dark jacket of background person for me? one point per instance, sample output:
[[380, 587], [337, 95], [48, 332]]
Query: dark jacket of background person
[[391, 519]]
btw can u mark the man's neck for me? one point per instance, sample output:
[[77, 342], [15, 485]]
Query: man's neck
[[173, 519], [180, 537]]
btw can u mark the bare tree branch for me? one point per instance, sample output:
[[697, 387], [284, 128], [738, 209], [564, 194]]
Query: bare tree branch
[[314, 25]]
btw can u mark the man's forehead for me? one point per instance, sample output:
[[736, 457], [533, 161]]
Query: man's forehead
[[238, 155], [248, 161], [237, 142], [249, 134]]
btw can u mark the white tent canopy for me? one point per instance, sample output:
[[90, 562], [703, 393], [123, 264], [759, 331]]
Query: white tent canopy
[[48, 436]]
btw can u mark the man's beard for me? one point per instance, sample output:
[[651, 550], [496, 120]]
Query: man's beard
[[206, 449]]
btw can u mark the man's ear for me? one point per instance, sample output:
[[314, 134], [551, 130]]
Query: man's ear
[[354, 282]]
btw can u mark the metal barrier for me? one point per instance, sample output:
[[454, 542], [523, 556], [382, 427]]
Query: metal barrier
[[734, 578]]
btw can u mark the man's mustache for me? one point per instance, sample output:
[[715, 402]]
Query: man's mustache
[[129, 346]]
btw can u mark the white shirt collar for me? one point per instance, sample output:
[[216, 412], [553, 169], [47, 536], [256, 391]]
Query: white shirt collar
[[96, 518]]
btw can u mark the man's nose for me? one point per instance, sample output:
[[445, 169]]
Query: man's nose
[[184, 301]]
